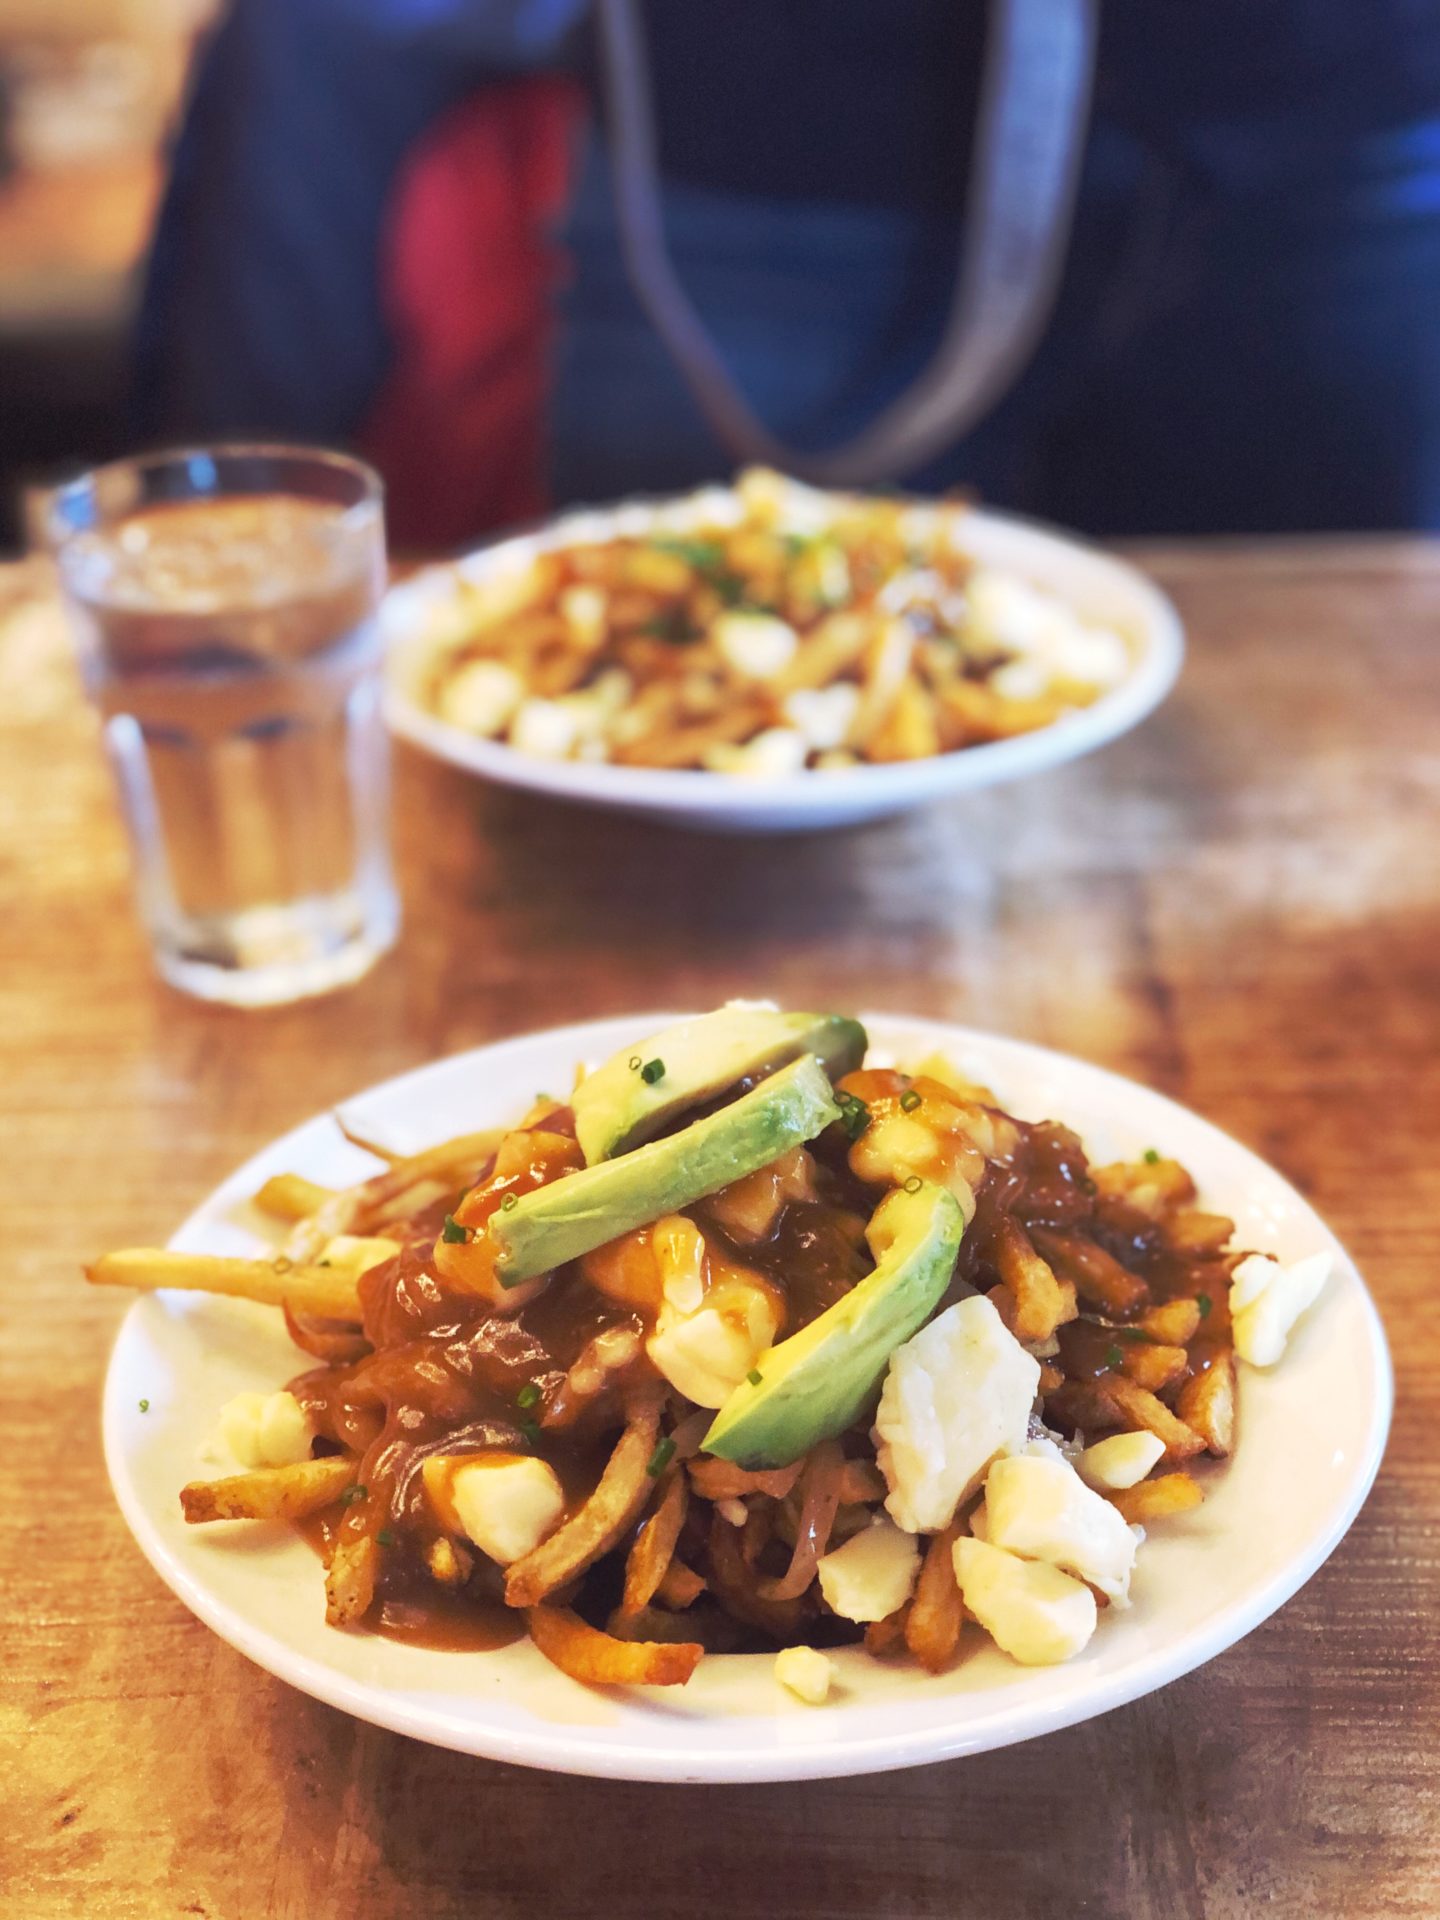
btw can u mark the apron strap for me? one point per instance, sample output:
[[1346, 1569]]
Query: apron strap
[[1025, 167]]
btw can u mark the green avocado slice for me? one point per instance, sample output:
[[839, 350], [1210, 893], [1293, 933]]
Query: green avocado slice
[[630, 1098], [813, 1385], [585, 1209]]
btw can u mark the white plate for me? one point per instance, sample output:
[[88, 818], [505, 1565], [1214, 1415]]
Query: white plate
[[1102, 589], [1311, 1437]]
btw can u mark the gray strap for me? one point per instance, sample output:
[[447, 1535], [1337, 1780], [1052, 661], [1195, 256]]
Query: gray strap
[[1028, 142]]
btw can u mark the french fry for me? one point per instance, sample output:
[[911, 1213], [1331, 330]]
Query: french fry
[[1138, 1407], [680, 1586], [888, 1635], [600, 1660], [1156, 1499], [935, 1614], [270, 1493], [1200, 1234], [654, 1546], [1097, 1276], [1083, 1405], [329, 1292], [1152, 1366], [290, 1196], [1172, 1322], [1042, 1303], [1207, 1403], [1154, 1187], [350, 1580], [599, 1525], [723, 1480]]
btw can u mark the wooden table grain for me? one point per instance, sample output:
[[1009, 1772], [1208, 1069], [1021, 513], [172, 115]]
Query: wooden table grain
[[1239, 905]]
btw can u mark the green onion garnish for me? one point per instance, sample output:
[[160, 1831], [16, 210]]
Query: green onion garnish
[[352, 1494], [854, 1114], [386, 1538], [652, 1071], [531, 1431], [1113, 1356], [753, 1376], [1205, 1303], [661, 1458], [914, 1183], [529, 1395], [635, 1063], [144, 1406], [452, 1234], [1152, 1157], [509, 1203], [909, 1100]]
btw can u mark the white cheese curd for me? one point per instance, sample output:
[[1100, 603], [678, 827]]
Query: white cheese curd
[[1266, 1299], [805, 1672], [957, 1395], [506, 1503], [732, 1510], [1041, 1509], [482, 697], [872, 1574], [583, 609], [265, 1429], [776, 751], [1023, 679], [1034, 1612], [823, 716], [757, 646], [1119, 1462], [548, 729]]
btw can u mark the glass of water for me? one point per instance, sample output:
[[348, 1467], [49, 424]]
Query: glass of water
[[225, 606]]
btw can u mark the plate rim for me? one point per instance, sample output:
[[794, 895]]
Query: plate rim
[[818, 1756], [897, 784]]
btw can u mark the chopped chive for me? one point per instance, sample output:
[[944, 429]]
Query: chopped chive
[[1113, 1356], [1135, 1337], [530, 1429], [452, 1234], [1205, 1303], [509, 1203], [529, 1395], [543, 1096], [909, 1100], [1152, 1157], [661, 1458], [652, 1071], [914, 1183], [144, 1406], [635, 1063], [753, 1376], [322, 1263], [387, 1538], [854, 1114], [352, 1494]]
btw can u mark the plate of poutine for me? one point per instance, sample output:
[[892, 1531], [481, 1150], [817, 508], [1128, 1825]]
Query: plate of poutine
[[777, 1396], [765, 657]]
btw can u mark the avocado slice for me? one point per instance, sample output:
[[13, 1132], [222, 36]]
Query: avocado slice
[[585, 1209], [817, 1382], [617, 1106]]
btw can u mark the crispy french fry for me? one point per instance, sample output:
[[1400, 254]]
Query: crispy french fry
[[1155, 1499], [599, 1525], [1152, 1366], [654, 1546], [1172, 1322], [1152, 1186], [270, 1493], [1191, 1231], [290, 1196], [680, 1586], [723, 1480], [1041, 1303], [887, 1635], [600, 1660], [935, 1614], [1083, 1405], [350, 1580], [1097, 1276], [329, 1292], [1207, 1403], [1138, 1407]]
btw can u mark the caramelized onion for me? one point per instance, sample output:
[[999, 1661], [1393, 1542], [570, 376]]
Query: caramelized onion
[[329, 1340], [820, 1496]]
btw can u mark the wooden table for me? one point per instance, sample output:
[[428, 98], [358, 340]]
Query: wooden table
[[1239, 905]]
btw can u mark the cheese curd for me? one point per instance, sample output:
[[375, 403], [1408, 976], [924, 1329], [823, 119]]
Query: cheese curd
[[957, 1395], [1266, 1299], [1034, 1612], [872, 1575], [1040, 1508], [823, 715], [482, 696], [805, 1672], [1119, 1462], [266, 1429], [776, 751], [708, 1336], [757, 646], [506, 1503]]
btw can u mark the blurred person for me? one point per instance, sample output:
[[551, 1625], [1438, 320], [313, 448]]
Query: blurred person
[[436, 228]]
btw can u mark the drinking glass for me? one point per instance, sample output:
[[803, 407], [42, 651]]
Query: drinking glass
[[224, 603]]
